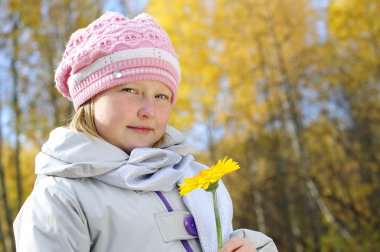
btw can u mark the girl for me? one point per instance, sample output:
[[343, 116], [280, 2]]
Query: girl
[[109, 181]]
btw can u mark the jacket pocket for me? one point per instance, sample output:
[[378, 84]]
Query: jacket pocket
[[173, 226]]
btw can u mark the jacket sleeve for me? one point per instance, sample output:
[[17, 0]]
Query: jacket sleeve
[[262, 242], [51, 220]]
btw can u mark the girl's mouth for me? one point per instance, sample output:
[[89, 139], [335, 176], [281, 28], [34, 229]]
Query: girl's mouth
[[140, 129]]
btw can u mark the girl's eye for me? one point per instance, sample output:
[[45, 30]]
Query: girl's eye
[[129, 90], [162, 96]]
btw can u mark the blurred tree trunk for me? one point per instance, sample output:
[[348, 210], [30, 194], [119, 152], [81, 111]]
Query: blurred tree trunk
[[289, 107], [4, 198], [211, 142], [255, 186], [4, 201], [290, 99], [2, 237], [16, 106], [291, 229]]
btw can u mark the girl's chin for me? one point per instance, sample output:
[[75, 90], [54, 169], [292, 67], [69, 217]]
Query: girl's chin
[[129, 149]]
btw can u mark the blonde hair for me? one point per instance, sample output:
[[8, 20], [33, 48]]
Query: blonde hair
[[83, 121]]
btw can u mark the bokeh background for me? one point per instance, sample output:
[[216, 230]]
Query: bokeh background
[[288, 88]]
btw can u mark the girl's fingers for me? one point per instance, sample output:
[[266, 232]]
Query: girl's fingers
[[238, 244]]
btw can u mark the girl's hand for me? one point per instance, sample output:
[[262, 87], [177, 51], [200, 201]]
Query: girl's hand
[[238, 244]]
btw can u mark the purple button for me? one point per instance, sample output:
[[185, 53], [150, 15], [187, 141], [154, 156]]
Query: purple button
[[189, 224]]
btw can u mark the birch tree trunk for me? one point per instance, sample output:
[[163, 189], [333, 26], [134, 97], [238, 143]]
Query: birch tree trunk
[[291, 226], [290, 97]]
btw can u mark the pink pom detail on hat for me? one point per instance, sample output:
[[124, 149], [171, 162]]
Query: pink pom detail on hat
[[115, 50]]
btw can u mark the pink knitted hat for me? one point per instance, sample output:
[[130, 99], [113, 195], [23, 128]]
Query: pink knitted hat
[[114, 50]]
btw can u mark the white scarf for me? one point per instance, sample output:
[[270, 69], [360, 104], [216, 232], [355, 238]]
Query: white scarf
[[154, 169]]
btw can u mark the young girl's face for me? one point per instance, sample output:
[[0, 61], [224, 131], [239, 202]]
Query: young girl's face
[[133, 114]]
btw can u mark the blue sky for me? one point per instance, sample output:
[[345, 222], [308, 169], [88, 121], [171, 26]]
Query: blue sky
[[114, 5]]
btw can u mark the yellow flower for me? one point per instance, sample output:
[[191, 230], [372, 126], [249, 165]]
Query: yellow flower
[[208, 180], [208, 176]]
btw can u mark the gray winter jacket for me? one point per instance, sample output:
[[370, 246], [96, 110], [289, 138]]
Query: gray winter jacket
[[69, 210]]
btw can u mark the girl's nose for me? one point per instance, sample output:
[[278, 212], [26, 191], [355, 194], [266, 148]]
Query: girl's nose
[[146, 109]]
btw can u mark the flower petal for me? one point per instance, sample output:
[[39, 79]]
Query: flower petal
[[208, 176]]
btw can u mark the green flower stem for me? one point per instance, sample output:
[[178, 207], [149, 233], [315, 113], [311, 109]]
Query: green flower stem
[[217, 219], [212, 188]]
